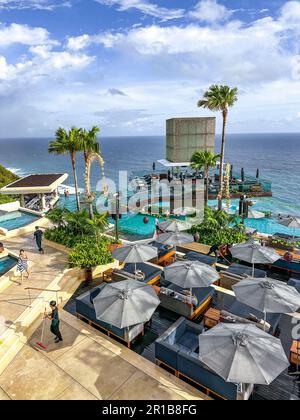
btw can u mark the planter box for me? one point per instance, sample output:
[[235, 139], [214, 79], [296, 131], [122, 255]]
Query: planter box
[[283, 247], [57, 246], [113, 247]]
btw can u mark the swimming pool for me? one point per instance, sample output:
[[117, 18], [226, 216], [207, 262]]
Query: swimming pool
[[16, 220], [270, 227], [6, 264]]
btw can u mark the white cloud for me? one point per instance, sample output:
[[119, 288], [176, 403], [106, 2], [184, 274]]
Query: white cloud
[[145, 7], [33, 4], [210, 11], [23, 34], [290, 13]]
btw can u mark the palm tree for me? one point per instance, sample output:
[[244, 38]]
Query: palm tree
[[90, 147], [68, 143], [206, 160], [220, 98]]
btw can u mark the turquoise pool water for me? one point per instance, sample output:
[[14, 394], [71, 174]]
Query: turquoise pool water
[[134, 224], [16, 220], [6, 264]]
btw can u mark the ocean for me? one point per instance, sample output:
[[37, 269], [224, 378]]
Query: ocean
[[276, 155]]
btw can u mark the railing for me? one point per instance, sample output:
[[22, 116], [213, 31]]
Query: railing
[[41, 290]]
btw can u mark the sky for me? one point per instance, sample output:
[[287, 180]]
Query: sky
[[128, 65]]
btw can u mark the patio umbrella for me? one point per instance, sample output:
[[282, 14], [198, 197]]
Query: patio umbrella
[[135, 254], [174, 226], [191, 274], [291, 222], [243, 174], [126, 303], [253, 253], [175, 238], [268, 296], [254, 214], [242, 353]]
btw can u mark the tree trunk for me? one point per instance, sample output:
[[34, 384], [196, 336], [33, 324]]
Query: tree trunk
[[220, 197], [207, 187], [73, 158], [87, 179]]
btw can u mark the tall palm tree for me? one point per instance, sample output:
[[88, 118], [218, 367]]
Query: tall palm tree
[[220, 98], [206, 160], [68, 143], [91, 148]]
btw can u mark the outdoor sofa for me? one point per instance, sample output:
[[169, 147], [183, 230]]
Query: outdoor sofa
[[172, 298], [178, 350], [151, 273], [85, 310], [166, 254], [237, 272]]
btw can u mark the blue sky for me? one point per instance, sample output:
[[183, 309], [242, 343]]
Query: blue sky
[[127, 65]]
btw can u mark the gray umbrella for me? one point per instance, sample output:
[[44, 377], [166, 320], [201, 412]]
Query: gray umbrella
[[126, 303], [242, 354], [135, 253], [191, 274], [175, 238], [174, 226], [253, 253], [268, 295], [291, 222]]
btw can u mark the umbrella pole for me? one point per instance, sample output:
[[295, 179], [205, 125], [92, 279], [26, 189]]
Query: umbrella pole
[[253, 270], [265, 320], [191, 292]]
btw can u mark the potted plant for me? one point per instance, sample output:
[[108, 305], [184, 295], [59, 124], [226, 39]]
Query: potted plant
[[90, 253]]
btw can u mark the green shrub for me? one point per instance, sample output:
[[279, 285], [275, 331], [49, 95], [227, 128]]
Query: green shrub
[[89, 253], [6, 177], [219, 228]]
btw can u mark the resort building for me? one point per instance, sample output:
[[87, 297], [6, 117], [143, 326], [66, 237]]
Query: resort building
[[185, 136], [37, 192]]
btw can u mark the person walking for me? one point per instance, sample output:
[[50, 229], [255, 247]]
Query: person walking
[[22, 266], [54, 318], [38, 234]]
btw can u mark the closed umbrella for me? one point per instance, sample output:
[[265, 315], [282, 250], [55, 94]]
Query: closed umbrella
[[135, 254], [126, 303], [253, 253], [174, 226], [268, 296], [242, 353]]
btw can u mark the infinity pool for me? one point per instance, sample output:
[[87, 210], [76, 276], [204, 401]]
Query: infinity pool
[[16, 220], [6, 264]]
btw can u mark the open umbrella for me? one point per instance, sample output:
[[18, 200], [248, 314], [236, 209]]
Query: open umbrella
[[135, 254], [191, 274], [174, 226], [175, 238], [268, 296], [126, 303], [242, 353], [254, 214], [291, 222], [253, 253]]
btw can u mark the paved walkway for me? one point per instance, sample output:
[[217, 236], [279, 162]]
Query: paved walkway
[[87, 365], [14, 300]]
